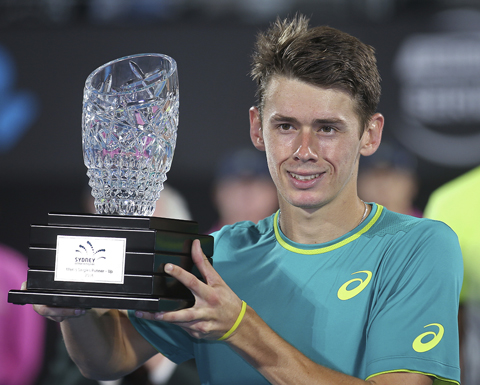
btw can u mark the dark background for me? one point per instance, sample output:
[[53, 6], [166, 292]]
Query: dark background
[[54, 52]]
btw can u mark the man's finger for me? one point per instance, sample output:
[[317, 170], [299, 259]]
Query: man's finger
[[57, 313], [184, 277], [209, 274], [189, 280]]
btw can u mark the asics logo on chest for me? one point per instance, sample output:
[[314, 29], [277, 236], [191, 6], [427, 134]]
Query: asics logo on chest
[[354, 286]]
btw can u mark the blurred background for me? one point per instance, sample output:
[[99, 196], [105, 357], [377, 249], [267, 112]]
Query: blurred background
[[428, 55]]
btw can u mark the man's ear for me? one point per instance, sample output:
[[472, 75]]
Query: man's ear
[[256, 132], [372, 136]]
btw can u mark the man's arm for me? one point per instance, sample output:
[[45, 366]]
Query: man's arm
[[281, 363], [215, 311], [103, 343]]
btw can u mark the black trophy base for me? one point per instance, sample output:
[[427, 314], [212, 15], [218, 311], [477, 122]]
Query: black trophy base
[[93, 300], [150, 243]]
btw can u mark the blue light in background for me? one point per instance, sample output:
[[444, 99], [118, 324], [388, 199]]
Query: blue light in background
[[18, 108]]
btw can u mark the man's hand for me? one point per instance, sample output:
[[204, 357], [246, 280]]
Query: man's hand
[[57, 314], [216, 305]]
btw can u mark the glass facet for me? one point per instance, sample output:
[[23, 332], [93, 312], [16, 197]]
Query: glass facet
[[129, 132]]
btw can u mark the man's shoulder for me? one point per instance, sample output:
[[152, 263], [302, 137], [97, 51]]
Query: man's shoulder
[[393, 221], [246, 232], [406, 225], [412, 244]]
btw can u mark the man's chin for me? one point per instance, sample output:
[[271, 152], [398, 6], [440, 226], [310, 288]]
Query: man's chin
[[308, 205]]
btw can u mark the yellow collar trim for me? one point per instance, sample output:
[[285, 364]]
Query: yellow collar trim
[[327, 248]]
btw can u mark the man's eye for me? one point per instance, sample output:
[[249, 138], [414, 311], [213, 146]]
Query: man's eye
[[285, 126], [327, 129]]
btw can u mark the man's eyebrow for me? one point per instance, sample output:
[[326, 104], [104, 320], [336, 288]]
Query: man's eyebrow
[[288, 119], [281, 118]]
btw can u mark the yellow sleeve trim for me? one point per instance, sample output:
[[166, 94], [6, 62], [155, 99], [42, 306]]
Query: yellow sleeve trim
[[437, 380], [322, 250]]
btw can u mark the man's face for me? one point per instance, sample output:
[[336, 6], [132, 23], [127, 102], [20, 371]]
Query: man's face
[[312, 137]]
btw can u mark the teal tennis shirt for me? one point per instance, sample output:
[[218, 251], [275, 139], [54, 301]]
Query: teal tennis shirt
[[382, 298]]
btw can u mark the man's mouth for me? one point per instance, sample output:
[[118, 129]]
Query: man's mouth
[[303, 177]]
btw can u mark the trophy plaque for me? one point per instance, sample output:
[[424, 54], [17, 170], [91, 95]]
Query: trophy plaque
[[115, 258]]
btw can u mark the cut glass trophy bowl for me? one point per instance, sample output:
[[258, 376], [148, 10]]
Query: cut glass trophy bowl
[[129, 131]]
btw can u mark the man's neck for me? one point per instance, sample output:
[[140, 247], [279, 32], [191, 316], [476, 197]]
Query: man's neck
[[323, 224]]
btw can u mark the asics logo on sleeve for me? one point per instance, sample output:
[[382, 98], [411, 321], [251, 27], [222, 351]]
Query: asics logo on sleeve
[[345, 292], [421, 347]]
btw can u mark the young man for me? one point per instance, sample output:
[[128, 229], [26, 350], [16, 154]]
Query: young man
[[339, 291]]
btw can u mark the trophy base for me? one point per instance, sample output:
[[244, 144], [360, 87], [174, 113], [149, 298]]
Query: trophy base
[[74, 261], [95, 300]]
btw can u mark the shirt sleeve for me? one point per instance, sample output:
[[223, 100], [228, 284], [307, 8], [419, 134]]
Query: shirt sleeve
[[413, 325], [170, 340]]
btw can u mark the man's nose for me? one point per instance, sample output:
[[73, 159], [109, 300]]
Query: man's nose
[[306, 146]]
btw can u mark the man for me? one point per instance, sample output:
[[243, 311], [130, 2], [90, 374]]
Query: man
[[339, 291]]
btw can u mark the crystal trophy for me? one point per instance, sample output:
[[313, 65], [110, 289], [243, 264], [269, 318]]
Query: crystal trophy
[[115, 258]]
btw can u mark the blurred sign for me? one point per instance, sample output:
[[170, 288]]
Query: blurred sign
[[439, 96]]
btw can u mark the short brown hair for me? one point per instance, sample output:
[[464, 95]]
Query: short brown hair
[[322, 56]]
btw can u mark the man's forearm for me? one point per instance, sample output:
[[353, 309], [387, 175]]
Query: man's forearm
[[281, 364], [278, 361], [97, 344]]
